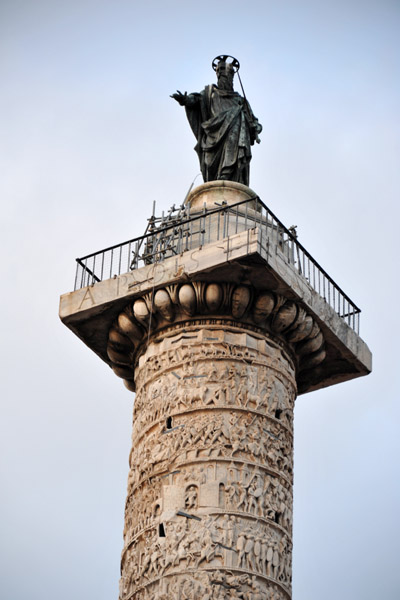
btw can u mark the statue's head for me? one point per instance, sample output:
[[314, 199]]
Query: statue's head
[[225, 75], [225, 70]]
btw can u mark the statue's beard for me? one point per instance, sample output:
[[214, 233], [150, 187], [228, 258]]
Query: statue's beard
[[225, 82]]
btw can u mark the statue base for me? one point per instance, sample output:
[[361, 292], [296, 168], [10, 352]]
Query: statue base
[[215, 193]]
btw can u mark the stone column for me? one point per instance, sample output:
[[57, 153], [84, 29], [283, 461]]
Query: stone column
[[209, 507], [217, 333]]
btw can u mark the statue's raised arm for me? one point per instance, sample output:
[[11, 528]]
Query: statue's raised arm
[[185, 99], [224, 125]]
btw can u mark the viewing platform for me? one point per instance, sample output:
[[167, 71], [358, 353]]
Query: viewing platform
[[223, 227]]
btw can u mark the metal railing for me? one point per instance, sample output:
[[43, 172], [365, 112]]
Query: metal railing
[[190, 230]]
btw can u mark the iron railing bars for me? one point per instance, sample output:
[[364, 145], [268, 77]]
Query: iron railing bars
[[83, 281], [155, 237], [224, 227], [188, 230], [86, 268], [203, 225], [129, 254], [102, 267], [76, 278], [236, 220], [301, 247], [119, 262], [190, 234], [111, 262], [163, 229], [180, 238], [257, 213]]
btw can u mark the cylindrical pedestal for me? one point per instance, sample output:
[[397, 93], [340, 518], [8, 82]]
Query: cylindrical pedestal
[[217, 193], [209, 505]]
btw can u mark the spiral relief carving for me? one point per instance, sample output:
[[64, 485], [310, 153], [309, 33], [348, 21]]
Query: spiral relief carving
[[209, 507]]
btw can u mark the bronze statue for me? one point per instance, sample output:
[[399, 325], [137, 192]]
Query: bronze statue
[[223, 124]]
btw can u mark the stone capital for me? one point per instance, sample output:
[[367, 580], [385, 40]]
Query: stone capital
[[241, 306]]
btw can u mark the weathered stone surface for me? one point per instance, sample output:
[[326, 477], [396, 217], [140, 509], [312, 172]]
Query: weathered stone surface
[[210, 486], [231, 305], [215, 193], [244, 257]]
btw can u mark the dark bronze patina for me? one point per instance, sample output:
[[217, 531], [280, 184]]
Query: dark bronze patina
[[223, 124]]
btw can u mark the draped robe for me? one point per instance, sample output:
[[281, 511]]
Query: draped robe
[[225, 128]]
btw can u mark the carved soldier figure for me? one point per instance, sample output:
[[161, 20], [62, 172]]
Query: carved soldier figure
[[229, 523], [257, 552], [256, 590], [191, 497], [249, 550], [240, 546], [270, 556], [223, 124], [275, 559], [208, 548], [155, 560], [232, 491]]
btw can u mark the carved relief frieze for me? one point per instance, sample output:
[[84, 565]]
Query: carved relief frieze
[[209, 584], [219, 542], [142, 508], [215, 343], [249, 528], [233, 488], [226, 435], [209, 507], [195, 380]]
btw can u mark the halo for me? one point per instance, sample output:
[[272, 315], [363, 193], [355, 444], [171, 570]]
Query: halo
[[235, 63]]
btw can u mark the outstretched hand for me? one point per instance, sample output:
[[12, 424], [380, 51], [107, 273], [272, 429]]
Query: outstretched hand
[[179, 97]]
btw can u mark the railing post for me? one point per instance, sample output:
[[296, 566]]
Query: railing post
[[236, 217], [84, 274], [93, 268], [76, 276]]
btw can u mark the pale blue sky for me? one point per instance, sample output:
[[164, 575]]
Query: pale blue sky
[[88, 139]]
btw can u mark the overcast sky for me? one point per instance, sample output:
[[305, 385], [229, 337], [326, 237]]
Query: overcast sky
[[88, 139]]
